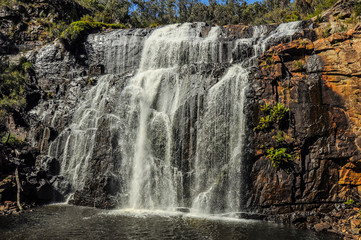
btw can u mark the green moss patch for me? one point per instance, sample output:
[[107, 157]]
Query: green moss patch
[[77, 31]]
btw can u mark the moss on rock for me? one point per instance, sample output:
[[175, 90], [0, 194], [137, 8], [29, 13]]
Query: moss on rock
[[77, 31]]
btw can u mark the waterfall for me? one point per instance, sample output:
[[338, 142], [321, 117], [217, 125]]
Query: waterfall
[[166, 119]]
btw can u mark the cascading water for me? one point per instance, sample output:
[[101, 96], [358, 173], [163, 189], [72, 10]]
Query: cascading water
[[176, 127]]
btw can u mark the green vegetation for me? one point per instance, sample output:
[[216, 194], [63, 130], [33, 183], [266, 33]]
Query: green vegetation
[[322, 5], [8, 3], [318, 19], [77, 30], [279, 112], [279, 137], [264, 123], [279, 157], [11, 140], [279, 148], [349, 202], [13, 82], [92, 82], [152, 13], [318, 6], [269, 62], [49, 95], [104, 14], [298, 65], [272, 115]]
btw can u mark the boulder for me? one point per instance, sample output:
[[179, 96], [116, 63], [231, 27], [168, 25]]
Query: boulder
[[319, 227]]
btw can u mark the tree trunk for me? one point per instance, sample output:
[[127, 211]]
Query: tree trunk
[[19, 188]]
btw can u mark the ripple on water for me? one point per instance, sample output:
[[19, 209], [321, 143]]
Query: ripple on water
[[71, 222]]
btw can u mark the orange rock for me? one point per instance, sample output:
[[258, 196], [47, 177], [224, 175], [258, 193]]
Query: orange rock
[[322, 45], [349, 55], [355, 67], [338, 37], [276, 58], [349, 176], [277, 70]]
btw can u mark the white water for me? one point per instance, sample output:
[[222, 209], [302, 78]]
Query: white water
[[174, 132]]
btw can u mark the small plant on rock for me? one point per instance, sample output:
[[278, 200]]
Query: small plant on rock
[[279, 157], [264, 123], [11, 140], [272, 115], [279, 137], [303, 43], [280, 150], [318, 19], [265, 108], [299, 65], [349, 202], [269, 62], [279, 112], [92, 82]]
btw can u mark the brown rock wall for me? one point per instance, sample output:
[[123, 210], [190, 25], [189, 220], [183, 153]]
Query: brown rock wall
[[319, 81]]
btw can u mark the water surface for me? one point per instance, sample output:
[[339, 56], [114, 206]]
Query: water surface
[[72, 222]]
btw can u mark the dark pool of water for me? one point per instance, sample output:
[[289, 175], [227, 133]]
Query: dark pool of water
[[71, 222]]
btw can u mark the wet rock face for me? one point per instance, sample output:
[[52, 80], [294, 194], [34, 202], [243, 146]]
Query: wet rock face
[[318, 81], [65, 78]]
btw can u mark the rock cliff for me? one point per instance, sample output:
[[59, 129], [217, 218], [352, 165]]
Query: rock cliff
[[316, 78], [29, 24]]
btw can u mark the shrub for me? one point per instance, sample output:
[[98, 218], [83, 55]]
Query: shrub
[[279, 137], [298, 65], [154, 25], [265, 108], [13, 80], [279, 112], [279, 157], [13, 83], [274, 114], [11, 140], [264, 123], [292, 17]]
